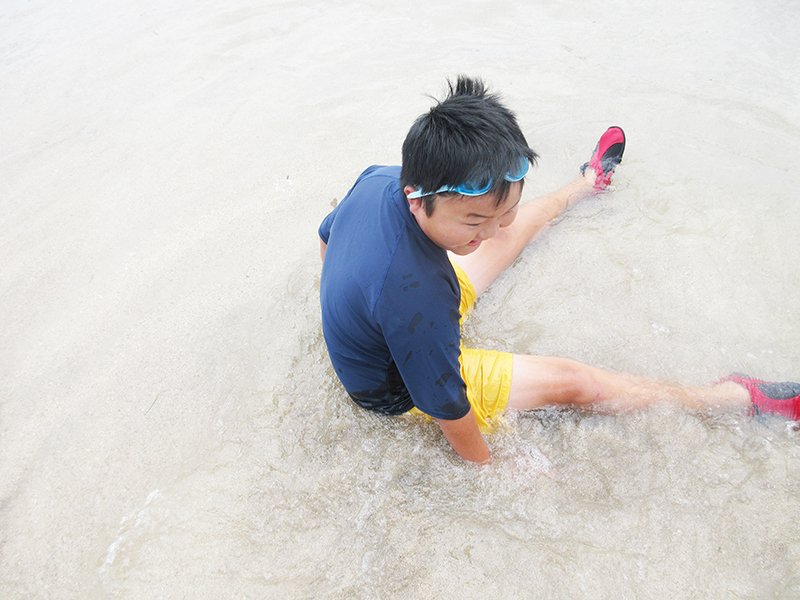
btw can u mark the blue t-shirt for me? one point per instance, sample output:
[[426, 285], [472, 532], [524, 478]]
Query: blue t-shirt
[[390, 301]]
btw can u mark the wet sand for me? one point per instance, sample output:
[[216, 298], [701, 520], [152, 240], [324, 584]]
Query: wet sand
[[169, 424]]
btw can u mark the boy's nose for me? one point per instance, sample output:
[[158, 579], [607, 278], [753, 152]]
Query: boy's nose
[[490, 231]]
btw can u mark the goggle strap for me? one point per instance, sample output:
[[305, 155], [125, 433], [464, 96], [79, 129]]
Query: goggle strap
[[524, 166]]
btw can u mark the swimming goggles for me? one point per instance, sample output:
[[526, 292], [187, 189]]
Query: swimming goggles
[[478, 188]]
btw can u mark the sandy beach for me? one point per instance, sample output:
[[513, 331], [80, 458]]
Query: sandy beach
[[170, 426]]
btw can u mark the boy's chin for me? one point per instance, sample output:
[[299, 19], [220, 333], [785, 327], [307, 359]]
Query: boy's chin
[[464, 250]]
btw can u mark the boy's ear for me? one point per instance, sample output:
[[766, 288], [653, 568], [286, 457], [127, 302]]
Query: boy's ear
[[414, 204]]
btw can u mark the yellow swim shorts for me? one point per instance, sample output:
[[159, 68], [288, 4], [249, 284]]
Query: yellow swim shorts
[[487, 373]]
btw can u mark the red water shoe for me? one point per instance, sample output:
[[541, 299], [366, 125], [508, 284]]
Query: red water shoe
[[606, 156], [781, 398]]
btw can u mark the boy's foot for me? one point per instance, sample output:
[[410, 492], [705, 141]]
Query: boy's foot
[[606, 156], [781, 398]]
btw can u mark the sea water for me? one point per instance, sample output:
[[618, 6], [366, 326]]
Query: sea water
[[171, 427]]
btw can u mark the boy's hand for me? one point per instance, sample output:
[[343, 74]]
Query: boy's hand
[[466, 439]]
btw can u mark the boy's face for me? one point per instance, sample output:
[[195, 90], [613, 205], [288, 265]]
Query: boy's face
[[461, 223]]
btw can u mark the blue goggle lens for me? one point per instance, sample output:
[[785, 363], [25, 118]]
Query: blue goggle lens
[[521, 171]]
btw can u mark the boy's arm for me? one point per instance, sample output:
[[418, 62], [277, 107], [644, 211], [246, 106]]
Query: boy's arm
[[466, 439], [322, 247]]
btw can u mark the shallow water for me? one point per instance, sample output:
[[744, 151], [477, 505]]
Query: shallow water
[[170, 424]]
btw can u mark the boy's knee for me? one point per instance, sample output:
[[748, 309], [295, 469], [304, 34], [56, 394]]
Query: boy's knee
[[577, 384]]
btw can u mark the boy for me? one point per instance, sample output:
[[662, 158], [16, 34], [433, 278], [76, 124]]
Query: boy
[[408, 250]]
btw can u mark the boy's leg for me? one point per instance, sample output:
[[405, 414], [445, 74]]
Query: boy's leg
[[496, 254], [539, 381]]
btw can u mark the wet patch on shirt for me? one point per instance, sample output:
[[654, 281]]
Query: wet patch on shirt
[[455, 319], [442, 381], [415, 320]]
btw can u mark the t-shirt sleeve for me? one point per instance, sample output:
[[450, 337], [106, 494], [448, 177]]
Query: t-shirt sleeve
[[420, 322], [325, 228], [327, 223]]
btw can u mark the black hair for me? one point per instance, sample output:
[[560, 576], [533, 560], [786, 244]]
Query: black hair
[[468, 136]]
